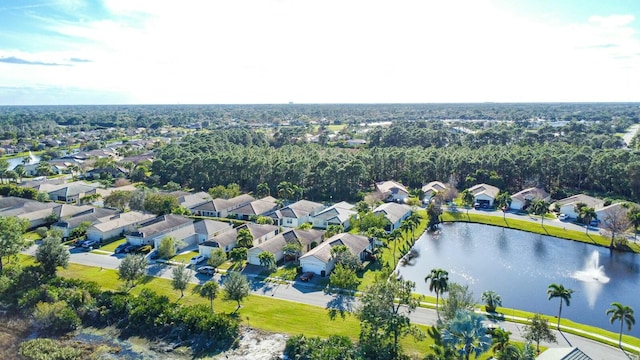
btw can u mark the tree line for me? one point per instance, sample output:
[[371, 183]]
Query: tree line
[[325, 172]]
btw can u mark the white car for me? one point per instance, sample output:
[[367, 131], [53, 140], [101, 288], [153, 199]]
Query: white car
[[563, 217], [197, 259]]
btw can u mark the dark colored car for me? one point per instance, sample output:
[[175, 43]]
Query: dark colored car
[[120, 248], [306, 276], [207, 270], [91, 243]]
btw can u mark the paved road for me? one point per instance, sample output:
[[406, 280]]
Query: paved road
[[312, 295]]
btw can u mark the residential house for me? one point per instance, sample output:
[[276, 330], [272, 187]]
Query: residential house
[[392, 191], [37, 213], [227, 240], [484, 195], [431, 189], [159, 227], [256, 208], [190, 201], [69, 193], [305, 238], [393, 212], [319, 260], [221, 207], [522, 199], [297, 213], [117, 225], [613, 212], [337, 214], [90, 214], [568, 205]]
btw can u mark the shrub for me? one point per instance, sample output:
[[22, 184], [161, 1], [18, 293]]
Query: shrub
[[48, 349], [55, 317]]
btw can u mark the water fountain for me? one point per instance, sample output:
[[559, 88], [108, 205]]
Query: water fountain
[[593, 271], [592, 278]]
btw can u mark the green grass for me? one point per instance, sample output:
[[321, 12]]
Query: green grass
[[113, 245], [32, 236], [185, 257], [551, 230], [336, 127], [287, 272]]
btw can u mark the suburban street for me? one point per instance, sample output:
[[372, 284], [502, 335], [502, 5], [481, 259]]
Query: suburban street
[[313, 295]]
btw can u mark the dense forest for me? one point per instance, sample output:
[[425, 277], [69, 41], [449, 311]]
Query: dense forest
[[21, 121], [562, 160]]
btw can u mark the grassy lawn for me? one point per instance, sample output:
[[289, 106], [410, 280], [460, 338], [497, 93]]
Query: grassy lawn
[[560, 232], [184, 257], [32, 236], [336, 127], [287, 272], [230, 265], [260, 312], [113, 245]]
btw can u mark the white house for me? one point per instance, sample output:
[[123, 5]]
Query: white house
[[568, 205], [392, 191], [484, 195], [613, 212], [227, 240], [393, 212], [297, 213], [275, 245], [319, 260], [256, 208], [221, 207], [522, 199], [89, 214], [159, 227], [431, 189], [337, 214], [117, 225]]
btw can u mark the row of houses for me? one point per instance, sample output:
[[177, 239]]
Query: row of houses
[[485, 196]]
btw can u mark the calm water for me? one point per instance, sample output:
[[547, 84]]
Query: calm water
[[13, 162], [520, 266]]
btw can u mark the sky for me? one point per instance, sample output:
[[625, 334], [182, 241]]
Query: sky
[[318, 51]]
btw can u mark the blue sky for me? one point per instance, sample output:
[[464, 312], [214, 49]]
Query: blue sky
[[318, 51]]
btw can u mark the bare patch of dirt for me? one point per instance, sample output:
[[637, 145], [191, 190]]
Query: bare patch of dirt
[[256, 345]]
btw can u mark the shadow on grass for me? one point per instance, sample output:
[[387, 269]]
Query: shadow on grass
[[340, 305]]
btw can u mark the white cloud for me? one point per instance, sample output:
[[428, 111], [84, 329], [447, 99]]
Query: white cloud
[[337, 51]]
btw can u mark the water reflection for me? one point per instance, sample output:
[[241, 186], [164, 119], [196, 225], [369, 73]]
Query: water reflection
[[520, 266]]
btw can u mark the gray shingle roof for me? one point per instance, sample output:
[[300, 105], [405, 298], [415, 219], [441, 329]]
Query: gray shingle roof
[[392, 211], [304, 237], [486, 189], [355, 243]]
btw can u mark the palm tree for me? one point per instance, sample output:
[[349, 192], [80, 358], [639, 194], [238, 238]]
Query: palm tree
[[210, 289], [541, 208], [395, 236], [557, 290], [467, 334], [500, 340], [414, 220], [467, 199], [244, 238], [587, 214], [438, 283], [622, 313], [492, 300], [503, 201]]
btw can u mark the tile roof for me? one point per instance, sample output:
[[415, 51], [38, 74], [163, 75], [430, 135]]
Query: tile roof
[[258, 207], [434, 186], [391, 186], [581, 198], [530, 193], [486, 189], [122, 220], [304, 237]]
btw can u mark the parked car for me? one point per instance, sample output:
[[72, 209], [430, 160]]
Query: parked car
[[79, 243], [563, 217], [131, 249], [207, 270], [90, 243], [121, 248], [144, 249], [197, 259], [306, 276]]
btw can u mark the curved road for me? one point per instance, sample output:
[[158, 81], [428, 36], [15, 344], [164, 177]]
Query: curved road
[[313, 295]]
